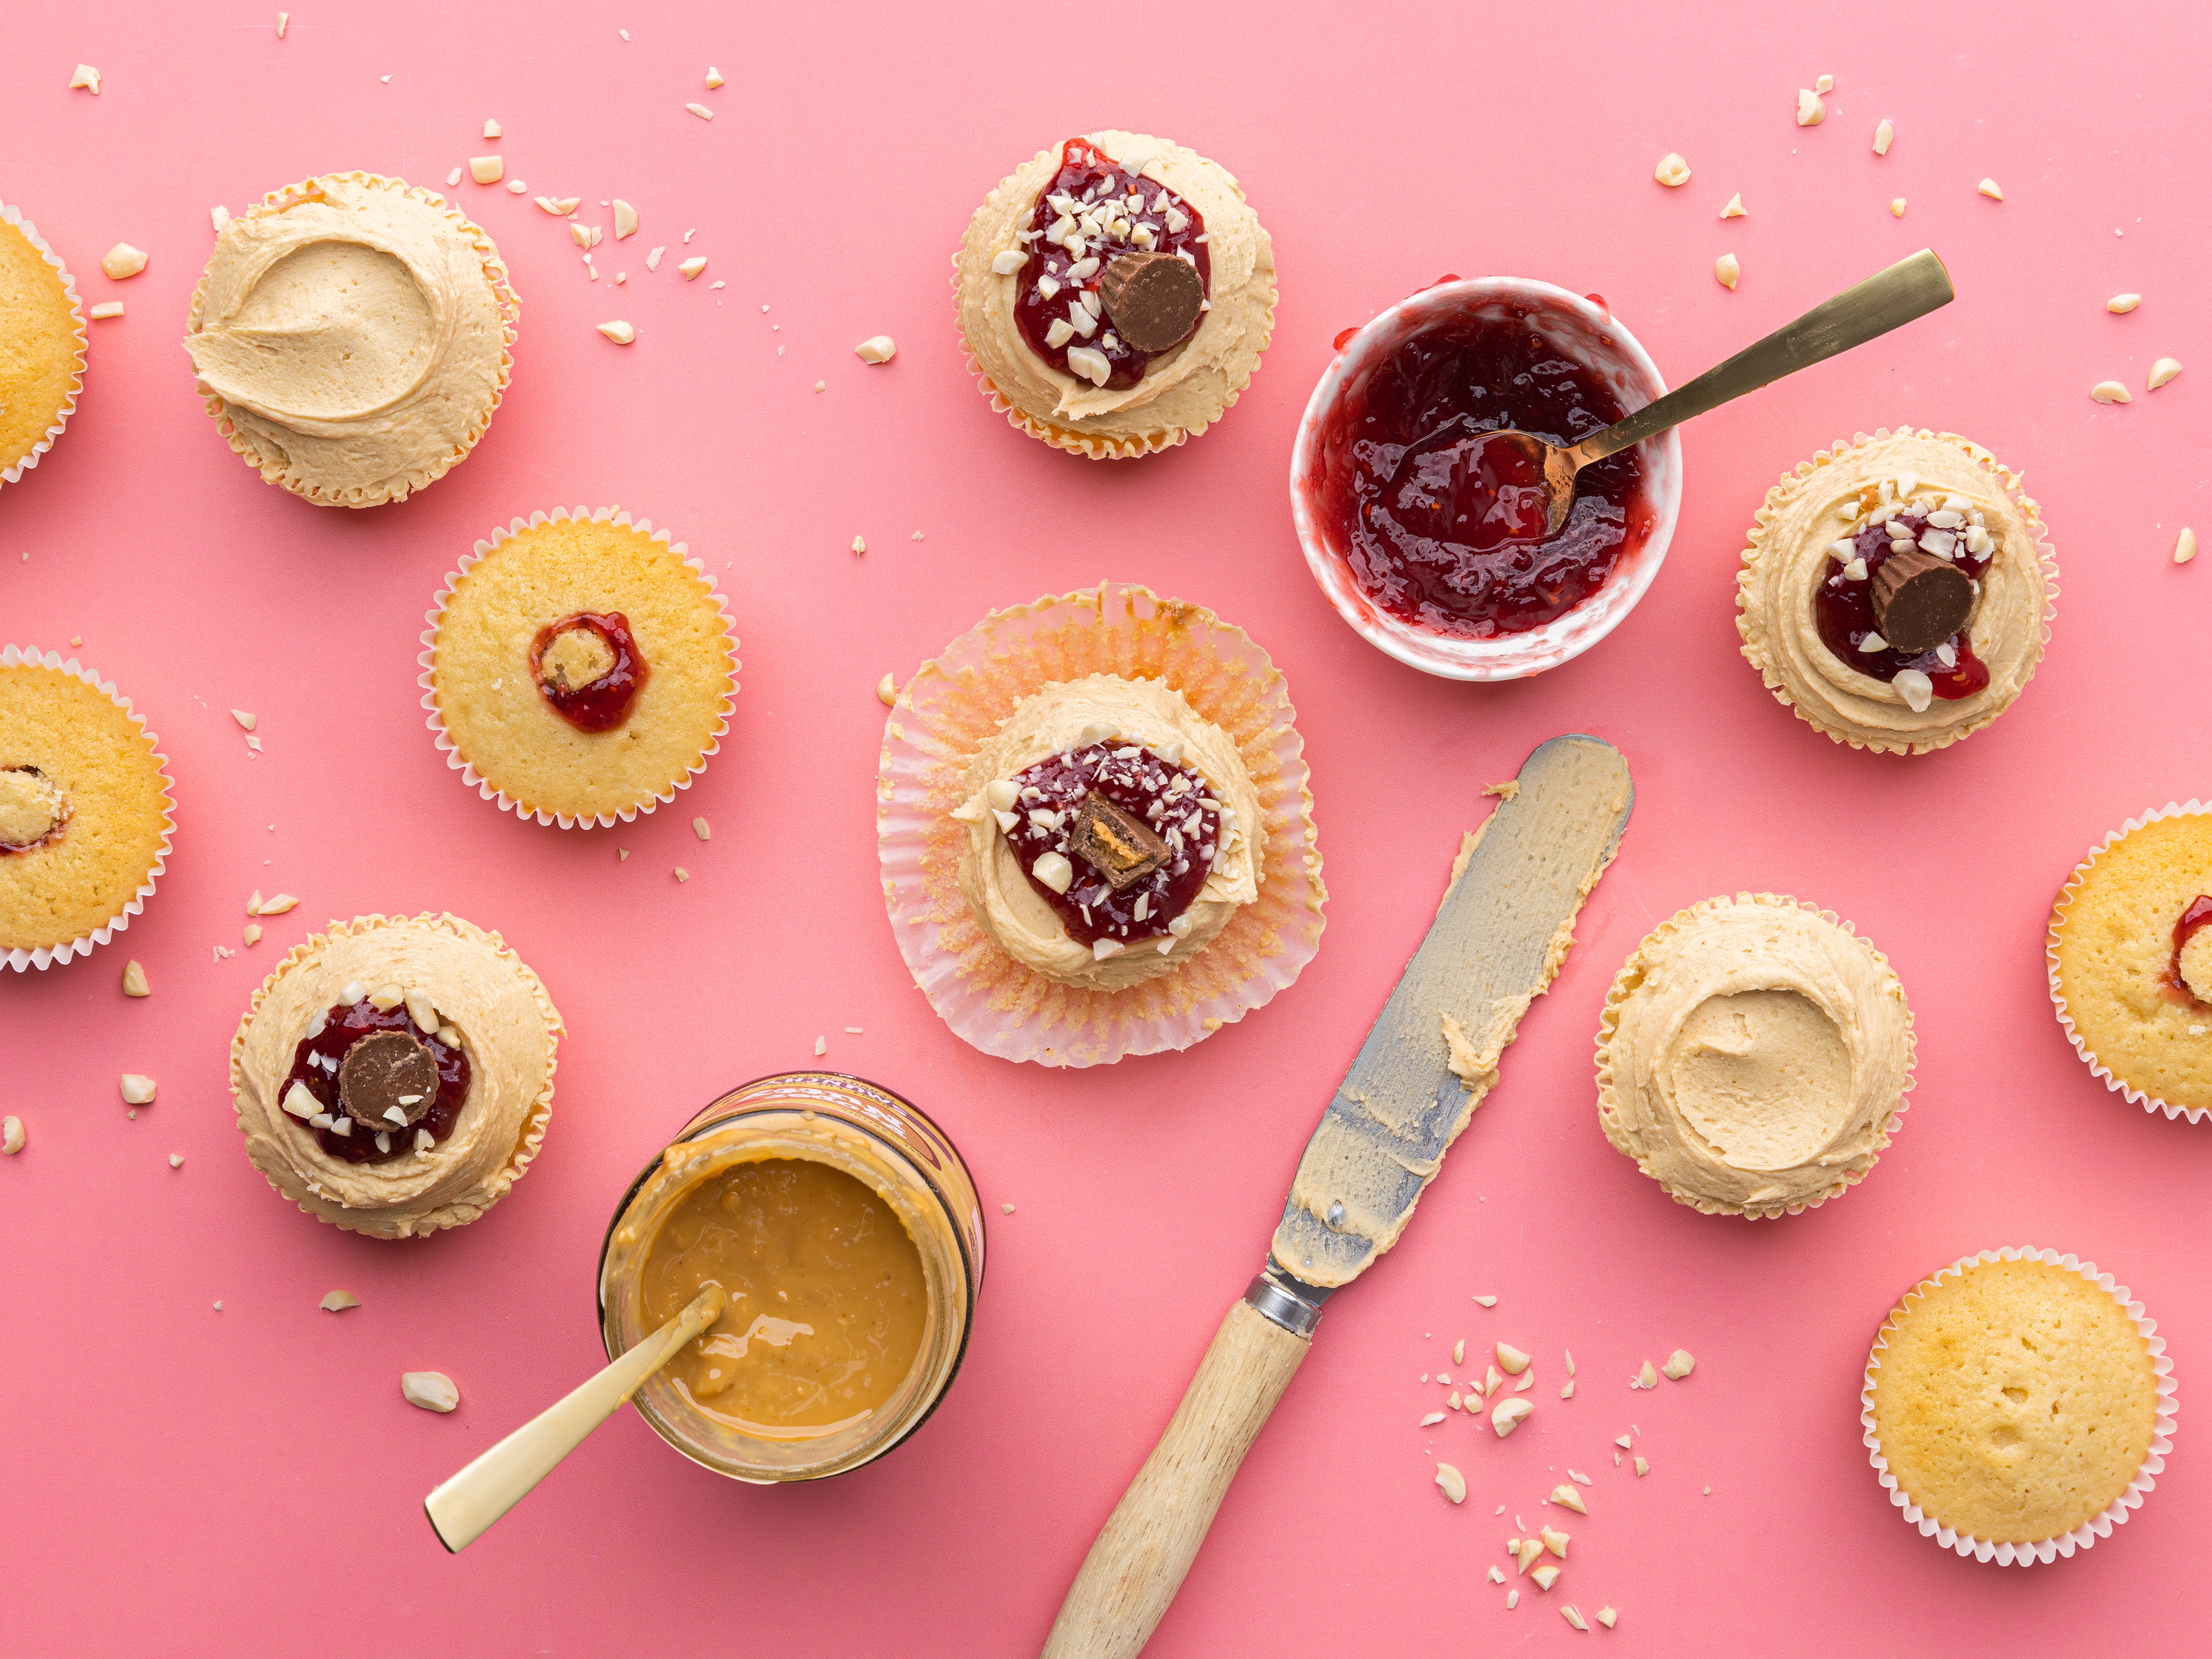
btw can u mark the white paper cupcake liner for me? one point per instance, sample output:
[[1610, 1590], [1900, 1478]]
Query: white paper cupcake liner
[[2066, 895], [427, 658], [10, 215], [272, 468], [1609, 1024], [21, 960], [2100, 1525], [954, 702]]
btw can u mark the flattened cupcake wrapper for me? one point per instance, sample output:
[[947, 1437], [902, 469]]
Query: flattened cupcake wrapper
[[428, 657], [1609, 1022], [2008, 480], [2098, 1526], [10, 215], [956, 701], [271, 468], [47, 956], [1094, 446], [380, 1224], [2067, 895]]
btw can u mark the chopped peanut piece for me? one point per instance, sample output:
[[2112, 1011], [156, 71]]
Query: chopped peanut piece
[[2184, 546], [1546, 1576], [625, 219], [619, 331], [1509, 1415], [134, 979], [2161, 371], [1897, 207], [1726, 270], [1643, 1467], [886, 691], [1883, 132], [692, 266], [1990, 188], [1511, 1360], [1555, 1542], [1735, 208], [1811, 111], [1671, 171], [1606, 1616], [1453, 1483], [122, 260], [1679, 1365], [2119, 304], [1568, 1499], [1572, 1617], [487, 169], [2111, 392]]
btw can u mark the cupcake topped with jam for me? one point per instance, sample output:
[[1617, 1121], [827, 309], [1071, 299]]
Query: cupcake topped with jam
[[580, 668], [395, 1075], [351, 337], [41, 346], [1115, 295], [1897, 591], [1114, 832]]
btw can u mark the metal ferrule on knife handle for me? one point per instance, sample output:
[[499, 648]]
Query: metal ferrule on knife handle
[[1506, 925]]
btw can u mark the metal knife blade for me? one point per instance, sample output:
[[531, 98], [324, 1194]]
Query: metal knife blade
[[1505, 924]]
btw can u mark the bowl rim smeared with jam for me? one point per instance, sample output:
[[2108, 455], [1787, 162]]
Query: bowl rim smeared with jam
[[848, 1125], [1583, 583]]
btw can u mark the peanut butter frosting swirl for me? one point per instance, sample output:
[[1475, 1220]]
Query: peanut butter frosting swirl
[[351, 335], [1830, 498], [1753, 1056]]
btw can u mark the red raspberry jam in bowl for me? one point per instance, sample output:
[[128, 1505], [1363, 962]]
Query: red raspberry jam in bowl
[[1429, 538]]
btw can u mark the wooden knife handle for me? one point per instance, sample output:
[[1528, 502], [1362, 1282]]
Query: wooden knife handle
[[1147, 1544]]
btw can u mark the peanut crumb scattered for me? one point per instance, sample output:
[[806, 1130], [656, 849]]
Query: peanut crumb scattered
[[1555, 1542], [1512, 1599], [1511, 1360], [692, 266], [1004, 1209], [1459, 1351], [1623, 1442], [1491, 1301], [876, 349], [1432, 1420], [1825, 84], [177, 1162], [2184, 546], [622, 856], [1546, 1576], [1726, 270], [1645, 1377], [1735, 208], [134, 979], [88, 78], [1643, 1467], [701, 111], [886, 691], [244, 719], [109, 308], [1990, 188], [860, 544], [453, 178], [434, 1391], [122, 260], [1567, 1498], [2104, 392], [1680, 1363], [1811, 111], [11, 1135], [625, 219], [219, 216], [1567, 1389], [487, 169], [252, 933], [1508, 1414], [137, 1088], [2161, 371], [283, 22], [2119, 304], [821, 1046], [1897, 207], [682, 874], [619, 331], [1671, 171], [714, 77], [1883, 133], [1496, 1576], [702, 829], [491, 129], [1453, 1482], [1573, 1618], [338, 1302], [1606, 1616]]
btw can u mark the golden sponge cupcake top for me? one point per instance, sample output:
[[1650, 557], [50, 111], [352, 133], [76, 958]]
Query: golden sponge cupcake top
[[351, 337], [2013, 1401], [2131, 958], [84, 812], [41, 346], [582, 666]]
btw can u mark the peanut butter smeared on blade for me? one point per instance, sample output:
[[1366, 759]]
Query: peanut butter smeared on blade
[[1504, 927]]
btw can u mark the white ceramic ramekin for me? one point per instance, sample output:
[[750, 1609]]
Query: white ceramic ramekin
[[1582, 329]]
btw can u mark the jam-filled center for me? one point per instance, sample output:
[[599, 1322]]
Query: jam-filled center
[[32, 809], [1116, 839], [1844, 605], [2192, 968], [1092, 213], [1443, 523], [380, 1081], [589, 668]]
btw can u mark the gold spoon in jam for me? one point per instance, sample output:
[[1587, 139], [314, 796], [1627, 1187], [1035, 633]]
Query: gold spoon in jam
[[1520, 462], [463, 1508]]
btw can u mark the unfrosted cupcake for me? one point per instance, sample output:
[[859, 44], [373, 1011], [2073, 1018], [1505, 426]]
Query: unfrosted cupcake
[[1897, 591], [351, 335], [395, 1074], [41, 345], [84, 809], [1753, 1056], [2017, 1406], [2130, 957], [1114, 295], [1095, 830], [580, 668]]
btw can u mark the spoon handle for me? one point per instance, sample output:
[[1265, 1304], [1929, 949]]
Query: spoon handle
[[462, 1508], [1889, 299]]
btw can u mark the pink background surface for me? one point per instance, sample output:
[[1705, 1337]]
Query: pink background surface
[[183, 1480]]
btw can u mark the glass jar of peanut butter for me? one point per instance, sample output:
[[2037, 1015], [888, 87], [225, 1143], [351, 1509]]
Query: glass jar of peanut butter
[[846, 1232]]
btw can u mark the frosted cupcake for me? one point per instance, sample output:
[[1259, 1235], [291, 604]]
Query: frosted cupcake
[[580, 668], [1753, 1056], [2130, 958], [41, 345], [1095, 830], [351, 335], [395, 1075], [84, 809], [1114, 295], [1897, 591], [2017, 1406]]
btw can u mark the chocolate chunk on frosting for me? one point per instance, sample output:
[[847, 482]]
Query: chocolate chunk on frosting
[[1119, 846], [1920, 600], [1154, 298], [384, 1072]]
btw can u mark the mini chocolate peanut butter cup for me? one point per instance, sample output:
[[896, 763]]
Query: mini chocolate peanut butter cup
[[1919, 600], [1116, 842], [1154, 298], [386, 1073]]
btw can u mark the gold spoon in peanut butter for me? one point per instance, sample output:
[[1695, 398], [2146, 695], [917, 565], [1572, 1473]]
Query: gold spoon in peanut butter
[[463, 1508]]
